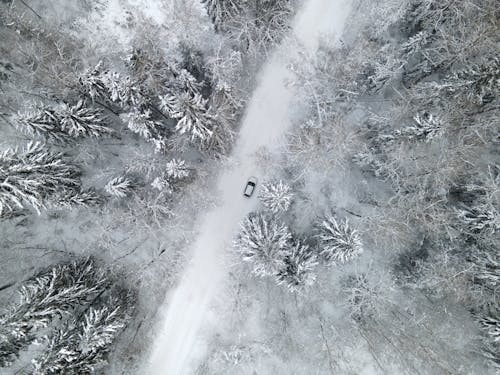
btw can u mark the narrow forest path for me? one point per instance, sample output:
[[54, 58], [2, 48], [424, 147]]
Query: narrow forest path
[[266, 119]]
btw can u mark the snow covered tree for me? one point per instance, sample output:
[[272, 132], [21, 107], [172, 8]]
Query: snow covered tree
[[141, 123], [41, 122], [83, 198], [191, 112], [119, 187], [106, 85], [177, 169], [64, 123], [265, 242], [81, 121], [30, 176], [485, 270], [81, 347], [124, 91], [185, 81], [162, 184], [300, 263], [480, 219], [93, 82], [220, 11], [48, 295], [427, 128], [276, 196], [363, 296], [224, 110], [338, 242], [490, 322]]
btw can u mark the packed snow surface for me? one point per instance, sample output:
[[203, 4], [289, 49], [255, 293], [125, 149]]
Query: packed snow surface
[[178, 343]]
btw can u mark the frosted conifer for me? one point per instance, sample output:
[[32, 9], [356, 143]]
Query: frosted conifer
[[490, 322], [48, 295], [338, 242], [141, 123], [191, 114], [62, 124], [41, 122], [93, 82], [81, 347], [427, 127], [265, 243], [81, 121], [162, 184], [187, 82], [119, 187], [177, 169], [299, 267], [276, 197], [30, 176], [480, 219]]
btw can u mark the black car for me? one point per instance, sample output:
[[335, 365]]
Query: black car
[[250, 187]]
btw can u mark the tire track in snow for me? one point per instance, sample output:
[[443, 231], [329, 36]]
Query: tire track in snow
[[177, 343]]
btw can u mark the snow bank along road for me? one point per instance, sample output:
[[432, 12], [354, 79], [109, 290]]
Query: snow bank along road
[[178, 344]]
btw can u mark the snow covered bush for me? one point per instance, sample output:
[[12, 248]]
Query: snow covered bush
[[264, 242], [299, 270], [50, 294], [119, 187], [276, 196], [337, 241], [32, 175]]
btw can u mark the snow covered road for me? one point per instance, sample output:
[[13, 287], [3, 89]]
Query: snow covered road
[[177, 343]]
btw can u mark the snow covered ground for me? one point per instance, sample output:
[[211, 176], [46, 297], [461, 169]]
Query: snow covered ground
[[178, 342]]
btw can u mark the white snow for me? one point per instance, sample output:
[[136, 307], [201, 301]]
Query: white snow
[[178, 343]]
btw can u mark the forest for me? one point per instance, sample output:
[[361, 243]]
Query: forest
[[129, 128]]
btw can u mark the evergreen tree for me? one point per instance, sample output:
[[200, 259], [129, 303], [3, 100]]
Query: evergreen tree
[[82, 346], [177, 169], [480, 219], [299, 267], [276, 197], [51, 294], [265, 242], [140, 122], [427, 127], [93, 82], [119, 187], [191, 113], [30, 176], [64, 123], [40, 122], [338, 242], [81, 121]]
